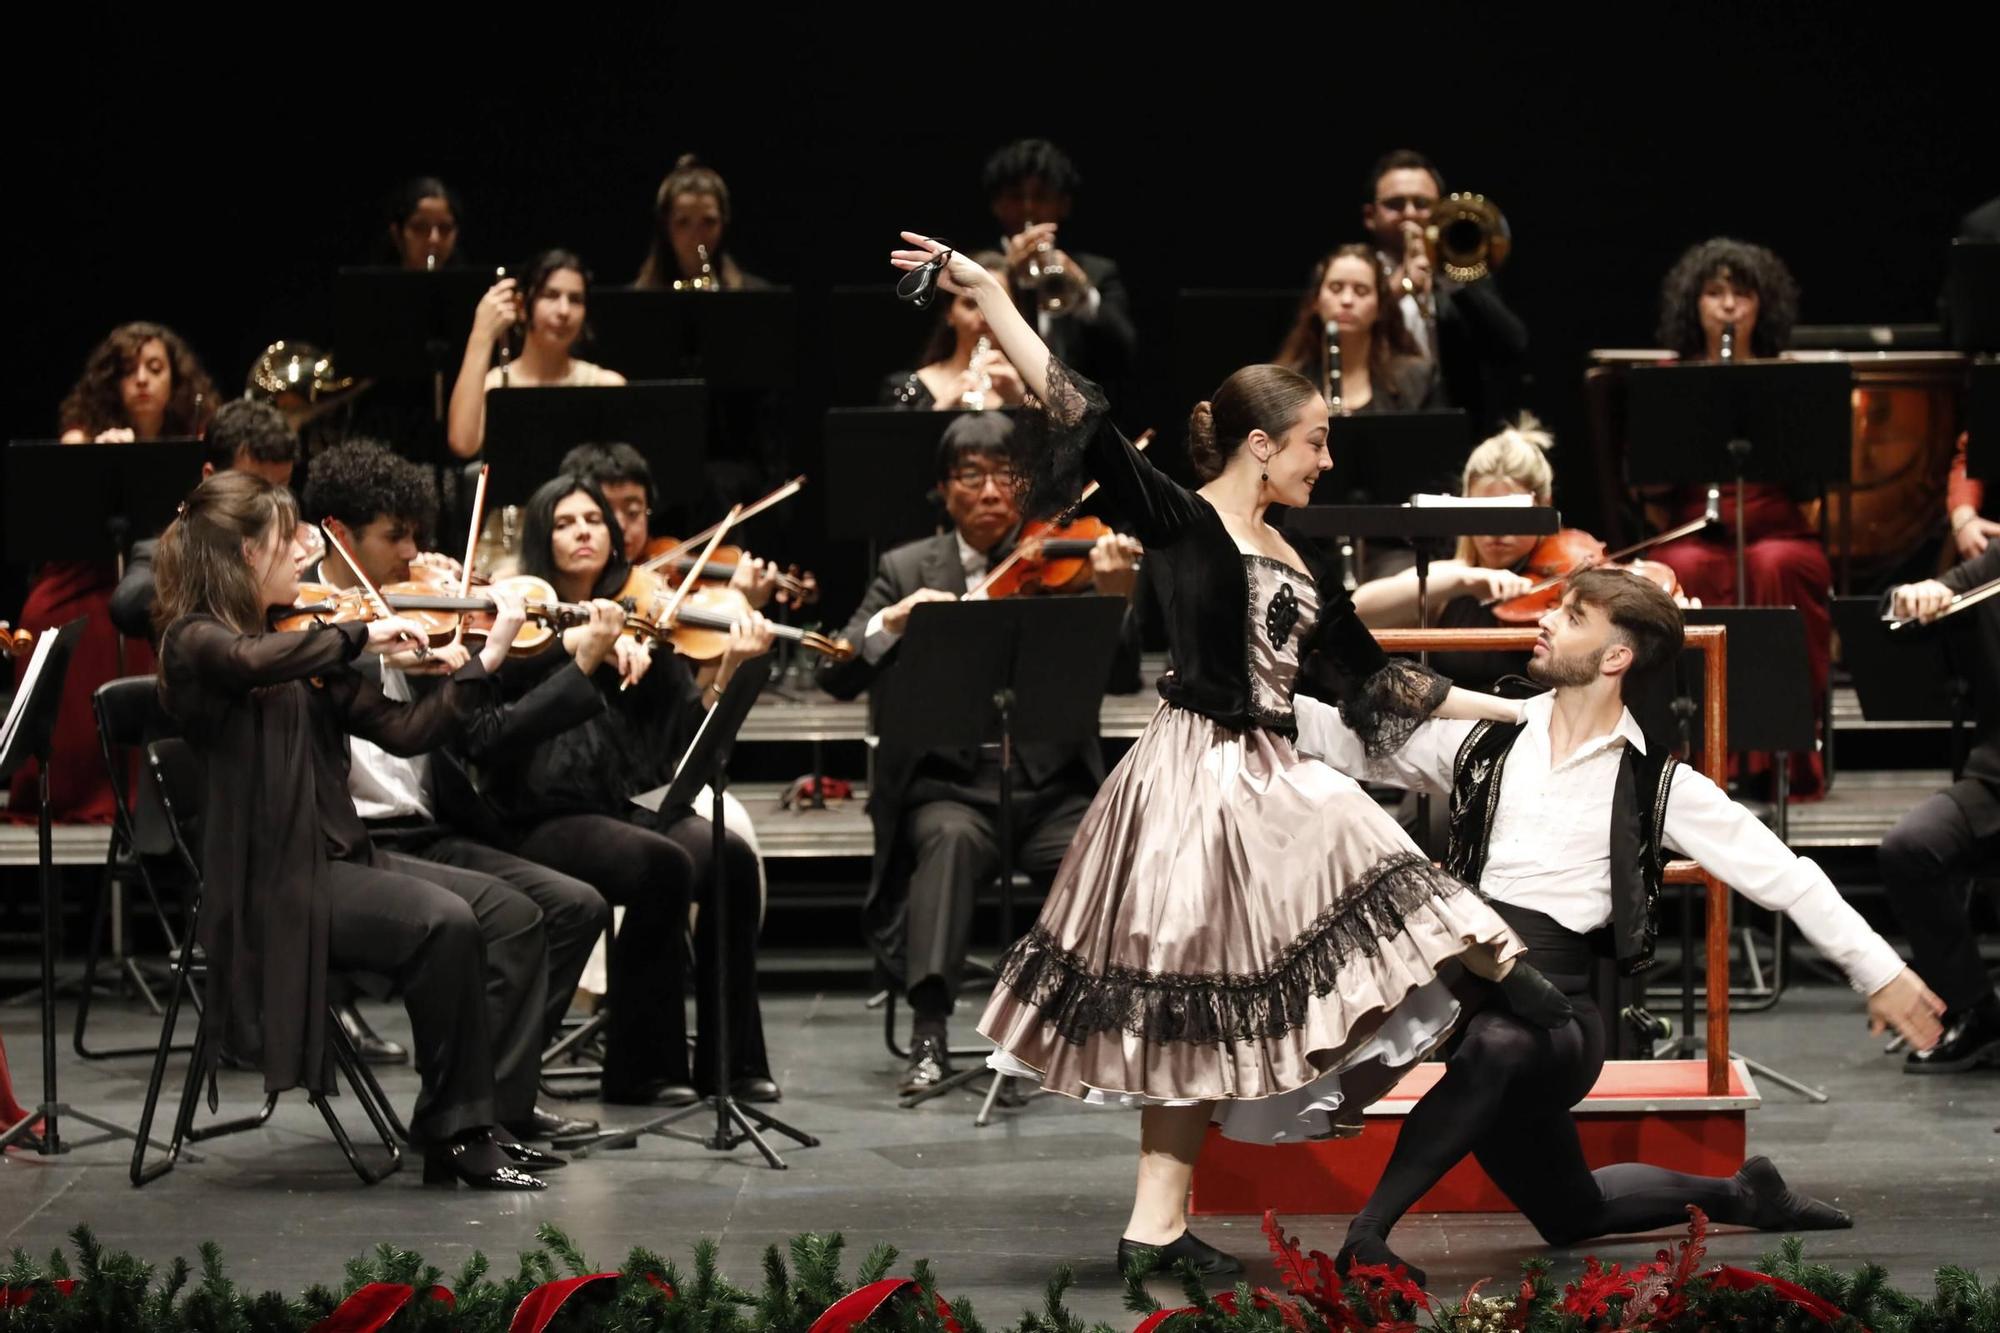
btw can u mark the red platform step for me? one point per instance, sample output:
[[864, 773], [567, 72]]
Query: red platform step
[[1656, 1111]]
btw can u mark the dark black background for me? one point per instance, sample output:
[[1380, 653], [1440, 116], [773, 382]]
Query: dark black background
[[214, 180]]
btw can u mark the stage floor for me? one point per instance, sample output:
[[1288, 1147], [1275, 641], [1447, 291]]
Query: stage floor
[[1915, 1159]]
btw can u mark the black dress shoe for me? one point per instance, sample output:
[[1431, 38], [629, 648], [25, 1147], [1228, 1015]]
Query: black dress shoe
[[1207, 1260], [656, 1092], [1970, 1040], [528, 1159], [756, 1088], [549, 1125], [479, 1162], [930, 1065], [1374, 1251], [372, 1047], [1775, 1206]]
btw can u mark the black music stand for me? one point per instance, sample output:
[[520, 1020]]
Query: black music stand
[[706, 763], [1912, 675], [1982, 423], [529, 430], [731, 340], [1430, 529], [1219, 330], [29, 731], [110, 495], [1787, 422], [867, 335], [1972, 295], [971, 674], [406, 326]]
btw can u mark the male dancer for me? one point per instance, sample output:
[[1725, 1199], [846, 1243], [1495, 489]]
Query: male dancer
[[1563, 821]]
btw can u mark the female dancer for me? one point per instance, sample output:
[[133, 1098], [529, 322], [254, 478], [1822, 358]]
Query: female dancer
[[1237, 934]]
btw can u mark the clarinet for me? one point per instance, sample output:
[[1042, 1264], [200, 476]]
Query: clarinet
[[1350, 575]]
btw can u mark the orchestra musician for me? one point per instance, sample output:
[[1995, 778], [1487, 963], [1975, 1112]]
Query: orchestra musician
[[1381, 367], [294, 887], [1949, 835], [550, 308], [1729, 289], [421, 229], [934, 814], [567, 802], [959, 367], [1478, 344], [690, 246], [143, 382], [624, 476], [537, 925], [1076, 301]]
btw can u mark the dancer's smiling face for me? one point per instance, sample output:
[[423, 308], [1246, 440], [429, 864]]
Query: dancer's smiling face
[[1295, 459]]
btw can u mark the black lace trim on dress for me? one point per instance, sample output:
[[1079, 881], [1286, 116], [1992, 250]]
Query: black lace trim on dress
[[1048, 441], [1391, 704], [1209, 1008]]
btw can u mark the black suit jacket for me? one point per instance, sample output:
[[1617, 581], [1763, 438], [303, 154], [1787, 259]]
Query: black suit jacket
[[1482, 347], [932, 562], [1103, 347], [131, 607]]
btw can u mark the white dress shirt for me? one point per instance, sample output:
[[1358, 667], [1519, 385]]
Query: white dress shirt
[[384, 785], [877, 641], [1550, 848]]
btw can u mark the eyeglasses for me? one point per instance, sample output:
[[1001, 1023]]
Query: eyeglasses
[[975, 478], [1407, 203]]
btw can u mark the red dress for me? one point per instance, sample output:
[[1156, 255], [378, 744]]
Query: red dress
[[1784, 564], [79, 788]]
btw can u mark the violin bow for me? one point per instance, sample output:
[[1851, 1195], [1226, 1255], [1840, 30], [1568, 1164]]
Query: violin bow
[[784, 492], [1963, 601], [1014, 556], [673, 606], [1686, 529], [374, 594], [471, 546]]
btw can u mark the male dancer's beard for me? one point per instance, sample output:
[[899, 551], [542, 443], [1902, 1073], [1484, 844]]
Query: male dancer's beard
[[1557, 672]]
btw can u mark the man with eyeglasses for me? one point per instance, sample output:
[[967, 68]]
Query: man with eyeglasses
[[935, 813], [1466, 329]]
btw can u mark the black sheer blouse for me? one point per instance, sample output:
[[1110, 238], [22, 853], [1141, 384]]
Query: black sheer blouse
[[1204, 590]]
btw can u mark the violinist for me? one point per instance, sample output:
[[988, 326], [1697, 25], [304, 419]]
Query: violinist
[[934, 814], [143, 382], [568, 802], [548, 310], [959, 366], [1725, 290], [1925, 858], [1513, 462], [295, 887], [537, 925], [626, 479], [246, 436]]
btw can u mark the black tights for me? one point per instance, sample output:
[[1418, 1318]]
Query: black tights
[[1505, 1098], [654, 870]]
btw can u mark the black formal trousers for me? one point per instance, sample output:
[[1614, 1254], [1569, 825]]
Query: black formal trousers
[[1505, 1098], [538, 925], [396, 920], [1925, 860], [953, 833], [656, 866]]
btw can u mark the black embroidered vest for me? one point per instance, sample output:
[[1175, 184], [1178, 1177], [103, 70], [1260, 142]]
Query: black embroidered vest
[[1638, 815]]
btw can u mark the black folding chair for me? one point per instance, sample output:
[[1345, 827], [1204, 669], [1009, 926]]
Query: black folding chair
[[128, 716], [178, 780]]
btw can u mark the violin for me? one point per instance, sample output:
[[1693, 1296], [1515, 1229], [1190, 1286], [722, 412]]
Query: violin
[[1570, 551], [698, 628], [671, 556], [444, 617], [1052, 556]]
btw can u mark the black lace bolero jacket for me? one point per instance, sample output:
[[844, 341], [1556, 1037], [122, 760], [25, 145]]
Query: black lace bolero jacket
[[1203, 587]]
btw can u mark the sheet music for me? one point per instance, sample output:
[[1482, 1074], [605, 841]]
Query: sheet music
[[1472, 501], [44, 645]]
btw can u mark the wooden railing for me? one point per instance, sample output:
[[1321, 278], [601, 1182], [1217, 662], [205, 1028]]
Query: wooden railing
[[1713, 644]]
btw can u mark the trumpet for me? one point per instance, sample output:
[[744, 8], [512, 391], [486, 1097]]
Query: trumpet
[[703, 281], [1056, 288], [1469, 236]]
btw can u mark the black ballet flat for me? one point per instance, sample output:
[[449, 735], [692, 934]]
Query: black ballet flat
[[479, 1163], [1775, 1206], [1207, 1260], [1373, 1251]]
